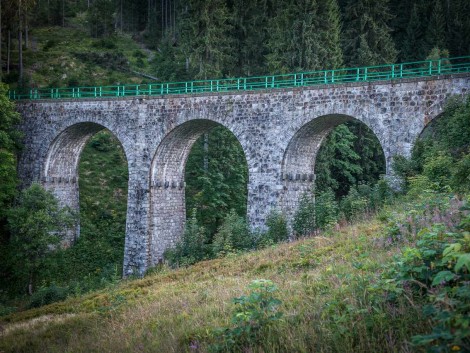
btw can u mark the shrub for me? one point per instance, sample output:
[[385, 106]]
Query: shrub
[[354, 205], [254, 314], [460, 180], [232, 236], [192, 248], [437, 271], [438, 169], [48, 295], [326, 209], [277, 230], [304, 219]]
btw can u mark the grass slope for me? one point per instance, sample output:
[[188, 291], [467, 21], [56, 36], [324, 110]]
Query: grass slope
[[68, 56], [321, 283]]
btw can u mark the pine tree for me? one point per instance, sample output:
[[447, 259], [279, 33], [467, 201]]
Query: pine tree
[[337, 164], [330, 55], [216, 177], [367, 36], [435, 34], [412, 48], [250, 34], [207, 39]]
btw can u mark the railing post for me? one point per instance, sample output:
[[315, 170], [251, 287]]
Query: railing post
[[238, 84], [78, 92], [192, 86], [295, 79], [401, 70], [325, 76], [137, 90], [393, 71], [118, 91], [302, 79], [95, 92], [365, 74], [358, 74], [244, 83], [272, 82], [430, 67], [186, 87], [167, 88], [150, 90], [439, 66], [332, 76]]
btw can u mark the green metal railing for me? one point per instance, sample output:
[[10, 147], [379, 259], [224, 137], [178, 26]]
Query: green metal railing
[[361, 74]]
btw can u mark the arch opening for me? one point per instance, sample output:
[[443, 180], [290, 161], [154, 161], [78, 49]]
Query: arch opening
[[332, 151], [86, 169], [191, 170]]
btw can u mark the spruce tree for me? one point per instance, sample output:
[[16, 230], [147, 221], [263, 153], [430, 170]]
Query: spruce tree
[[412, 48], [367, 35], [250, 34], [330, 55], [207, 39], [435, 34]]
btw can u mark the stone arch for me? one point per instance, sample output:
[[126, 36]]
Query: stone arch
[[167, 185], [298, 164], [60, 172]]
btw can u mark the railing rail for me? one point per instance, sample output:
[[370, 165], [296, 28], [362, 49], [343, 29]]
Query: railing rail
[[417, 69]]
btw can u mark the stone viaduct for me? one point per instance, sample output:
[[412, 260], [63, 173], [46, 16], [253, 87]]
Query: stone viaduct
[[280, 131]]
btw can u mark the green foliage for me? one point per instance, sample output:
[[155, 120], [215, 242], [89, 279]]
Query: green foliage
[[437, 269], [303, 223], [37, 226], [193, 246], [9, 145], [100, 18], [232, 236], [326, 209], [439, 160], [277, 230], [367, 37], [47, 295], [216, 178], [254, 315]]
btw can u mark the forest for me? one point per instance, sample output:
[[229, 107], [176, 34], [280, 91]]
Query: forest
[[70, 43]]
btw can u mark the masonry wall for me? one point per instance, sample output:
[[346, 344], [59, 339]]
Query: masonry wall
[[279, 130]]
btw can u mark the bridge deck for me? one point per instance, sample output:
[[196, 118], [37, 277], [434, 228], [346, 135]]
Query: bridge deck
[[418, 69]]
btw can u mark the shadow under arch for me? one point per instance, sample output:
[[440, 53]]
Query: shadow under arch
[[298, 164], [60, 173], [167, 185]]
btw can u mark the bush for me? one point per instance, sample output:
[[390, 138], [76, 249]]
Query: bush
[[232, 236], [438, 168], [48, 295], [460, 179], [253, 315], [192, 248], [304, 218], [277, 230], [354, 205], [326, 209]]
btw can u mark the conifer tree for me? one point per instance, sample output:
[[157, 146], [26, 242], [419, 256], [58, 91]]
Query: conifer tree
[[250, 33], [367, 38], [207, 39], [412, 48], [329, 28], [435, 34]]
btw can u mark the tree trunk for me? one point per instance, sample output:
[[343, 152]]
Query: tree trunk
[[206, 152], [63, 13], [20, 44], [1, 62], [30, 284], [8, 51], [26, 39]]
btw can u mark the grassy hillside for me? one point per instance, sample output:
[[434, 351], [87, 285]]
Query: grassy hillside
[[68, 56], [333, 288]]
